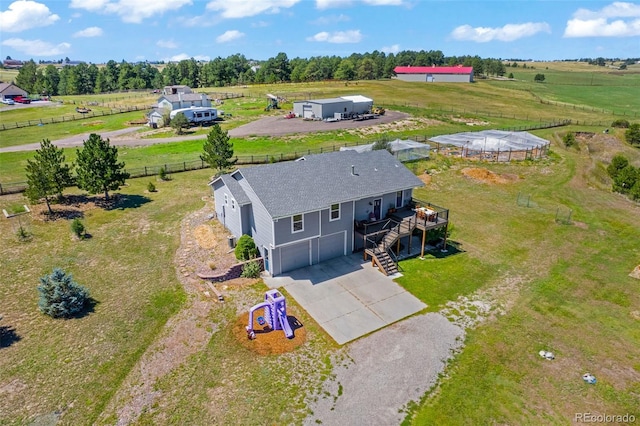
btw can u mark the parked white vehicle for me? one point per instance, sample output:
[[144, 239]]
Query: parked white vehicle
[[8, 101], [196, 115]]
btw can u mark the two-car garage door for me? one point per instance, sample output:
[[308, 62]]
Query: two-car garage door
[[305, 253]]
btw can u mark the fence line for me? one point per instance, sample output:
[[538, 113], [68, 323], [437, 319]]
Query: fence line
[[113, 109], [73, 117], [197, 164]]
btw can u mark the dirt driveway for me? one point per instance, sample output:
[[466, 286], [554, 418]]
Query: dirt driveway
[[280, 126], [267, 126]]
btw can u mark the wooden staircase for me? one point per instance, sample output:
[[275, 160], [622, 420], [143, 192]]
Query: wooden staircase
[[382, 255]]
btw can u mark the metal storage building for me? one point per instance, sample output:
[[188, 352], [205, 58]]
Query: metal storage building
[[457, 74], [325, 108]]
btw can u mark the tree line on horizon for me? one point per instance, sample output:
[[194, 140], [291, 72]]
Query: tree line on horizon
[[83, 78]]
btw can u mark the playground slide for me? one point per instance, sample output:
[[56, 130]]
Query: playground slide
[[284, 323]]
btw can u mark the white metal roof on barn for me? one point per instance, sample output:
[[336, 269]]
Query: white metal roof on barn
[[492, 140], [357, 98]]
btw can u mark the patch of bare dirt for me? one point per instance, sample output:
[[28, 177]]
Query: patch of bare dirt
[[202, 243], [425, 178], [268, 341], [635, 273], [470, 121], [487, 176]]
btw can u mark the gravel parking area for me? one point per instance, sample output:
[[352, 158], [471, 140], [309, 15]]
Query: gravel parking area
[[280, 126], [377, 376]]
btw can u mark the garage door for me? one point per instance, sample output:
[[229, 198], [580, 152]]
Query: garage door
[[307, 111], [294, 256], [331, 246]]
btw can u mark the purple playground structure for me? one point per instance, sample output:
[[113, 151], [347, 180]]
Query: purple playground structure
[[275, 314]]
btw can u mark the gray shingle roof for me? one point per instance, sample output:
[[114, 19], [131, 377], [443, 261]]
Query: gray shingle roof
[[236, 190], [324, 179], [184, 97]]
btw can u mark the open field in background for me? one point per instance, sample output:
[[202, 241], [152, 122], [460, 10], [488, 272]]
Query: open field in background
[[563, 288], [499, 103], [567, 286]]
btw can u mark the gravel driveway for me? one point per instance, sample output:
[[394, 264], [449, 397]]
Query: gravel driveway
[[267, 126], [381, 373]]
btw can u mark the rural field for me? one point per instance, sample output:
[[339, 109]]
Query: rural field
[[544, 247]]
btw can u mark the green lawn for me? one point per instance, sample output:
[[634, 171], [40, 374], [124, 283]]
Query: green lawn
[[573, 297]]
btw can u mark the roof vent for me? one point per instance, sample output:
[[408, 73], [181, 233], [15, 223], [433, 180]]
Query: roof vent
[[353, 170]]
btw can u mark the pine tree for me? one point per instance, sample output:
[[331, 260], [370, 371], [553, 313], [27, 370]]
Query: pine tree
[[98, 169], [47, 175], [60, 295], [218, 150]]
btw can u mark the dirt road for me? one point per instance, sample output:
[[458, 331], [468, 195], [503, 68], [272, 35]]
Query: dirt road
[[267, 126]]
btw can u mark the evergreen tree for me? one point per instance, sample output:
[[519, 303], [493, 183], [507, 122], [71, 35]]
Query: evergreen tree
[[98, 169], [633, 134], [47, 175], [27, 76], [218, 150], [60, 295]]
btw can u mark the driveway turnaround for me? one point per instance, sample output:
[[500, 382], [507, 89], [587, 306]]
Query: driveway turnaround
[[348, 297]]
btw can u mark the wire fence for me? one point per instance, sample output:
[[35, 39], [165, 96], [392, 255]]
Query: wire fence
[[198, 163], [73, 117], [110, 107]]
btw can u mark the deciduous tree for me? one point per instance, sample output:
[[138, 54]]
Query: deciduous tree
[[179, 122]]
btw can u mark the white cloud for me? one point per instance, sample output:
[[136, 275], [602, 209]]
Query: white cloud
[[90, 5], [330, 20], [89, 32], [351, 36], [329, 4], [228, 36], [167, 44], [244, 8], [395, 48], [601, 23], [131, 11], [24, 15], [184, 56], [196, 21], [509, 32], [37, 47]]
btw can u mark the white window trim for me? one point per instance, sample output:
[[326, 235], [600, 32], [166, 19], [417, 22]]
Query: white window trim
[[233, 204], [401, 199], [331, 219], [293, 221], [226, 199]]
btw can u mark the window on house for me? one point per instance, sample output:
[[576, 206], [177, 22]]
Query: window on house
[[335, 212], [297, 223], [233, 204], [226, 200], [399, 199]]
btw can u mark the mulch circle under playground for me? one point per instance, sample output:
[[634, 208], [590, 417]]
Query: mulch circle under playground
[[267, 341]]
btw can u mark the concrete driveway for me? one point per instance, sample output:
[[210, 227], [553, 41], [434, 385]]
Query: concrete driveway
[[348, 297]]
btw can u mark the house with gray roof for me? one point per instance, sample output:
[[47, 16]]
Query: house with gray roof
[[304, 212]]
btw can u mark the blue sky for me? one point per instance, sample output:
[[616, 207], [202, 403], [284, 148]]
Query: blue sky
[[134, 30]]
